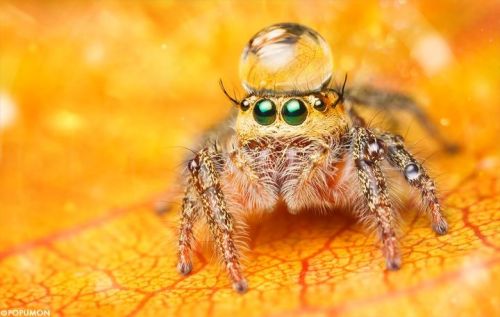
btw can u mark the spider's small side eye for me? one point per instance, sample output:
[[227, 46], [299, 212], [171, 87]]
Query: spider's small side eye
[[338, 99], [245, 105], [319, 105], [264, 112], [294, 112]]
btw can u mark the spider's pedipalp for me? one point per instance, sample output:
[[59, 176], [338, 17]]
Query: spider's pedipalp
[[415, 174]]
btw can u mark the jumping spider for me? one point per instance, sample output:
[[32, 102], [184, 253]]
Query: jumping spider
[[305, 148]]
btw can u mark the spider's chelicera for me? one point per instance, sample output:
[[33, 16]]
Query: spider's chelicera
[[296, 140]]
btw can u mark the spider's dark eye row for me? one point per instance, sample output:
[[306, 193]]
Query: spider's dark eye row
[[264, 112], [294, 112]]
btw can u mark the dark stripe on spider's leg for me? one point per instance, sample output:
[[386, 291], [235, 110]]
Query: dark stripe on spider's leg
[[374, 188], [206, 182], [417, 177]]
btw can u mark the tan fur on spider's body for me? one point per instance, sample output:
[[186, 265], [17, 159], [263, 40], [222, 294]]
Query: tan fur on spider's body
[[303, 166], [307, 151]]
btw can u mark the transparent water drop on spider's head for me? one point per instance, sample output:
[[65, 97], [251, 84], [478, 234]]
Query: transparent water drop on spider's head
[[286, 57]]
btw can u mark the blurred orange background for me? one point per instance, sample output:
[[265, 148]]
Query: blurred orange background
[[98, 99]]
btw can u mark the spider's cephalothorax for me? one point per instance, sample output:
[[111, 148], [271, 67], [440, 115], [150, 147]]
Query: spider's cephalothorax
[[300, 142]]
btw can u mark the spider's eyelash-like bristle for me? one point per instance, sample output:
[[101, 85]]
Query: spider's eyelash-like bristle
[[231, 98], [339, 89]]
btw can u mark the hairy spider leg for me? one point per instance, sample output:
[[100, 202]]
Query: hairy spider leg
[[417, 177], [206, 182], [189, 215], [367, 157], [388, 100]]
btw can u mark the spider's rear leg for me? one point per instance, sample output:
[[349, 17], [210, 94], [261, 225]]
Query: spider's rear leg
[[367, 153], [206, 182], [389, 101], [416, 176]]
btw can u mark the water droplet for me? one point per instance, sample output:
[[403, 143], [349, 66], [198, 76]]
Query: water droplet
[[286, 57], [412, 172]]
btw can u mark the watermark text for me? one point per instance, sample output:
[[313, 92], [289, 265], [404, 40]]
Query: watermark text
[[22, 312]]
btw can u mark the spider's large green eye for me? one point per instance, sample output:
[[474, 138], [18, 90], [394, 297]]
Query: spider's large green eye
[[294, 112], [264, 112]]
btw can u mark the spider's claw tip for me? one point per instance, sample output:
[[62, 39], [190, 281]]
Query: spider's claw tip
[[184, 268], [241, 286], [393, 264], [440, 227]]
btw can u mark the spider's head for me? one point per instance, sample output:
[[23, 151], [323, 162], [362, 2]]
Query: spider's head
[[292, 115], [286, 68]]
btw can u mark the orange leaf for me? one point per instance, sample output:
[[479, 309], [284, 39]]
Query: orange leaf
[[98, 99]]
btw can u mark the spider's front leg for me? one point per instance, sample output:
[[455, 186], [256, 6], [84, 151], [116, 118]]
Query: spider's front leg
[[367, 152], [417, 177], [189, 215], [205, 180]]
